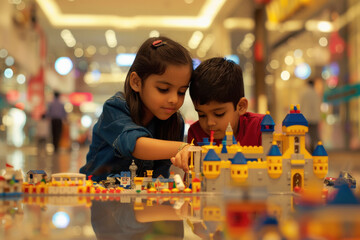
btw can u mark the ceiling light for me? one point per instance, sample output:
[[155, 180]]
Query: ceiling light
[[195, 39], [154, 33], [104, 78], [325, 26], [68, 38], [205, 18], [322, 26], [239, 23], [288, 26], [205, 45], [110, 37]]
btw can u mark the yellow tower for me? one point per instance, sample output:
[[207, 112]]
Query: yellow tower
[[211, 168], [274, 161], [320, 161], [239, 168]]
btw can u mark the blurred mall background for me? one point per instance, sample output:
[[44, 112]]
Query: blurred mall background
[[83, 49]]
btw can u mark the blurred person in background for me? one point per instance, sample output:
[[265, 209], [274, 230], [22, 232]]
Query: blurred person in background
[[42, 134], [57, 114], [310, 107]]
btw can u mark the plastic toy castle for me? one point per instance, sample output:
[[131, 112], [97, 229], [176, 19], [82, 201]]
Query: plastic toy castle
[[281, 164]]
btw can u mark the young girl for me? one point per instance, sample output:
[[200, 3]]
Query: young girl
[[143, 123]]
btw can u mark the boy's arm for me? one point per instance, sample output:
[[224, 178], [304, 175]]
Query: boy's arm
[[153, 149]]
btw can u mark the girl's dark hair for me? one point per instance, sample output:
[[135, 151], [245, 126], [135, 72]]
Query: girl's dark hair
[[153, 57], [217, 79]]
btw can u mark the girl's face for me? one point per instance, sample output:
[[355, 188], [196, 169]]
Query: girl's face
[[163, 95]]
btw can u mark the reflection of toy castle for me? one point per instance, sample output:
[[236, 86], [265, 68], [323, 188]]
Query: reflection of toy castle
[[281, 163]]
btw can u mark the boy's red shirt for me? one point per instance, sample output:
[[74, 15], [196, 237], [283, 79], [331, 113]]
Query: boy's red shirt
[[249, 133]]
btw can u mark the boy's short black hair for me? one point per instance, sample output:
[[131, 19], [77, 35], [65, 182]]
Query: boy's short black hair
[[217, 79]]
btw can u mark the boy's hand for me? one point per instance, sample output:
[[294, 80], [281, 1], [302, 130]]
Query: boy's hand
[[181, 159]]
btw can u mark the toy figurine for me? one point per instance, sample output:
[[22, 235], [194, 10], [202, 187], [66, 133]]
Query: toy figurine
[[133, 169]]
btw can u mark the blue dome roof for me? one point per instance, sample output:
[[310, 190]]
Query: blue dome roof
[[267, 124], [211, 156], [239, 158], [204, 142], [320, 151], [295, 119], [274, 151]]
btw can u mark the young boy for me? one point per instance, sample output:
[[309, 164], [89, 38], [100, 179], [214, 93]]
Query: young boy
[[217, 92]]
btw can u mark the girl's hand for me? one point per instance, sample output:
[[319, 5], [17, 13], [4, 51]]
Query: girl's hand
[[181, 159]]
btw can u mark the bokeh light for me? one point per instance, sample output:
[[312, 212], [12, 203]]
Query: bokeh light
[[63, 65], [61, 219], [3, 53], [285, 75], [9, 61], [125, 59], [8, 73], [302, 71], [86, 121], [21, 79], [289, 60]]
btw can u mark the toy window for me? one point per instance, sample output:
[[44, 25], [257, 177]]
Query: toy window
[[296, 150]]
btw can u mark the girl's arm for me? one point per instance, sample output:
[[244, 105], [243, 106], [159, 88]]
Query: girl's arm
[[161, 213], [153, 149]]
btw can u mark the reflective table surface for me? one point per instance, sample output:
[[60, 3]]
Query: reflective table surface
[[230, 215], [206, 216]]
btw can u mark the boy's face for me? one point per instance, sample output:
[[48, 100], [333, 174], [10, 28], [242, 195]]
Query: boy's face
[[216, 116]]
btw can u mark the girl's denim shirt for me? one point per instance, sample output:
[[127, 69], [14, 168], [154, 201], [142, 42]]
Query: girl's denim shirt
[[113, 141]]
